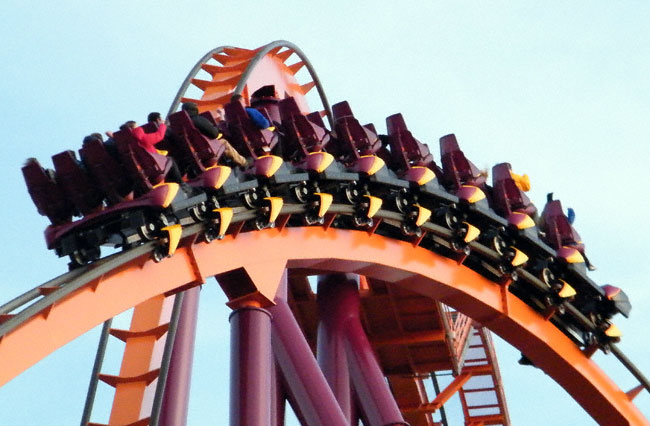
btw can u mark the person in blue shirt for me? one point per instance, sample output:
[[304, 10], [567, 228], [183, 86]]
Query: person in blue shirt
[[256, 117]]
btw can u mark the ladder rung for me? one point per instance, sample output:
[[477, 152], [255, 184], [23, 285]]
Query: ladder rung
[[156, 332], [141, 422], [118, 380]]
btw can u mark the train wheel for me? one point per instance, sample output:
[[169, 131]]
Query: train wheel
[[301, 193], [159, 253], [198, 212], [352, 193], [147, 231]]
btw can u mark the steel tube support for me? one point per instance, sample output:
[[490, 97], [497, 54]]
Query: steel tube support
[[331, 349], [278, 401], [306, 386], [177, 389], [339, 303], [250, 367]]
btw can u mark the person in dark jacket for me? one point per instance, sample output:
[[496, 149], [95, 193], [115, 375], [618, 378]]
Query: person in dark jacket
[[206, 128]]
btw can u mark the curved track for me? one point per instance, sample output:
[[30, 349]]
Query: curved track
[[95, 293]]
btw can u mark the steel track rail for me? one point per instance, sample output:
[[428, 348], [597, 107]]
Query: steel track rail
[[94, 376], [166, 360], [87, 274]]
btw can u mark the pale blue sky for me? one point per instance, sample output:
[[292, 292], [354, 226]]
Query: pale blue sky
[[560, 91]]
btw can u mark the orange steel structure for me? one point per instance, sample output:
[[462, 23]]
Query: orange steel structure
[[315, 249], [422, 312]]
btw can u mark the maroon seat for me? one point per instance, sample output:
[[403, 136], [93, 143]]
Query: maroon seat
[[76, 183], [47, 195], [107, 172], [353, 139], [178, 144], [301, 136], [406, 151], [210, 116], [557, 230], [195, 145], [219, 124], [316, 118], [146, 169], [506, 196], [245, 137], [264, 100], [457, 170]]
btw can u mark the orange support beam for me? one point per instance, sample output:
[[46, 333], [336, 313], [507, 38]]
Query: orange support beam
[[413, 268], [142, 354]]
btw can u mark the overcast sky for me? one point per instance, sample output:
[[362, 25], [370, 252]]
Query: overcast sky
[[560, 91]]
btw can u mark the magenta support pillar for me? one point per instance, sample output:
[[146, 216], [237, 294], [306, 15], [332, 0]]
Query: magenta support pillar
[[339, 303], [278, 401], [306, 387], [331, 351], [250, 367], [177, 389]]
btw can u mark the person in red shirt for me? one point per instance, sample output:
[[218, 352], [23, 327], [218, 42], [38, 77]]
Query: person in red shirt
[[148, 141]]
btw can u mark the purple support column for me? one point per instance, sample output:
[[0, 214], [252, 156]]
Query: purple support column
[[331, 349], [307, 388], [250, 367], [177, 389], [338, 297], [278, 401]]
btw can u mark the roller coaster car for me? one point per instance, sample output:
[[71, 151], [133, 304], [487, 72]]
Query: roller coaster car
[[411, 158], [507, 198], [303, 141], [459, 175], [117, 225], [76, 183], [252, 142], [46, 193], [559, 234], [356, 146], [106, 171], [122, 224], [198, 155]]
